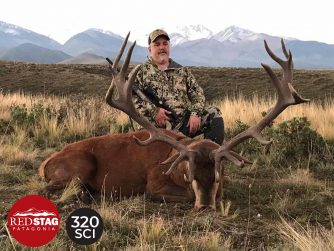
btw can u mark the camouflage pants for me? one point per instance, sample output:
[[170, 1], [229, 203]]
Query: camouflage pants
[[212, 126]]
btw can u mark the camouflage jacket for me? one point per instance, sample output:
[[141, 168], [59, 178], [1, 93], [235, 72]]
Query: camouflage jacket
[[176, 86]]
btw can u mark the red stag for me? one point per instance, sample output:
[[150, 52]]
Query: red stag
[[163, 164]]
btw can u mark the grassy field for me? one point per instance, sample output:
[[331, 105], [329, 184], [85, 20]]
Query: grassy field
[[283, 201], [93, 80]]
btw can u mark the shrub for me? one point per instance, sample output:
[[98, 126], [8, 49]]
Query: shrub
[[23, 117], [294, 140], [5, 127]]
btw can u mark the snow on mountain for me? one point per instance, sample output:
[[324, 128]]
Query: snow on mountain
[[177, 39], [193, 32], [95, 31], [182, 34], [177, 34], [13, 35], [12, 29], [235, 34]]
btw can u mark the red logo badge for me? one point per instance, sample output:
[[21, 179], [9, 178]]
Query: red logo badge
[[33, 221]]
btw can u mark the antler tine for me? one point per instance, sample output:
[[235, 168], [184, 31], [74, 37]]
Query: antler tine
[[179, 159], [127, 59], [287, 65], [184, 152], [281, 62], [286, 54], [120, 53], [287, 95], [123, 102]]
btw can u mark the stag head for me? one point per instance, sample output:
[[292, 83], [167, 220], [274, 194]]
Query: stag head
[[202, 158]]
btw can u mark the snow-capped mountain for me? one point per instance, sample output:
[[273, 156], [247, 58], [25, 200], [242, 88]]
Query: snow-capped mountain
[[12, 29], [235, 34], [94, 32], [193, 32], [192, 45], [182, 34], [13, 35]]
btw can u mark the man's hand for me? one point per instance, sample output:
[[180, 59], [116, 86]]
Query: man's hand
[[162, 117], [194, 123]]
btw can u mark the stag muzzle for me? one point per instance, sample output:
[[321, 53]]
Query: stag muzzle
[[205, 198]]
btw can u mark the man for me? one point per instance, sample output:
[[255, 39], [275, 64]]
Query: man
[[168, 95]]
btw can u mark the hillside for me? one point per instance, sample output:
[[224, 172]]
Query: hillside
[[35, 54], [84, 58], [93, 80]]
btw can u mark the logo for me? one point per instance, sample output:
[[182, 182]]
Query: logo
[[33, 221], [84, 226]]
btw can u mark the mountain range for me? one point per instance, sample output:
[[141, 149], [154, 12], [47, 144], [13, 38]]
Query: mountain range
[[194, 45]]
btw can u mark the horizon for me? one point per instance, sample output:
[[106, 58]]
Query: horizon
[[60, 20], [142, 39]]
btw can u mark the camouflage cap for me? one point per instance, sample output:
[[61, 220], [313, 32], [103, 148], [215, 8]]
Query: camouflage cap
[[155, 34]]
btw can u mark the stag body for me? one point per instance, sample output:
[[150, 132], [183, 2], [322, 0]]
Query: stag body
[[135, 162], [117, 165]]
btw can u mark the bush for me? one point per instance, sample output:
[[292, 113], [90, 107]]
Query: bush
[[323, 171], [294, 140], [23, 117], [5, 127]]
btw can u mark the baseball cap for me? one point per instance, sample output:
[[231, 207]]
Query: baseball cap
[[155, 34]]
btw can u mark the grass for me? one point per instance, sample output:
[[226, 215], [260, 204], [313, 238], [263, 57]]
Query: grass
[[255, 198], [249, 111], [94, 80], [70, 191], [309, 238]]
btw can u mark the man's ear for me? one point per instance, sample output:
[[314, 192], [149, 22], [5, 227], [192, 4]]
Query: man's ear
[[149, 48]]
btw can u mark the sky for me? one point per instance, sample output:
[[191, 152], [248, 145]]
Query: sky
[[61, 19]]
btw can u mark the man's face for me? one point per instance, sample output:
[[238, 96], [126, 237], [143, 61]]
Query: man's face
[[159, 50]]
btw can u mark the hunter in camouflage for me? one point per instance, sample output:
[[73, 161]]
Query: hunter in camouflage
[[163, 87], [175, 86]]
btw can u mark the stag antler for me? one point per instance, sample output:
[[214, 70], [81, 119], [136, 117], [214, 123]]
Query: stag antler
[[119, 96], [287, 96]]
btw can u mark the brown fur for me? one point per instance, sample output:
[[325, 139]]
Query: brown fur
[[116, 164]]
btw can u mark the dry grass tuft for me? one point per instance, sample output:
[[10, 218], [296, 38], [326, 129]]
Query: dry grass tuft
[[71, 190], [14, 155], [303, 177], [35, 184], [152, 231], [311, 238], [48, 128]]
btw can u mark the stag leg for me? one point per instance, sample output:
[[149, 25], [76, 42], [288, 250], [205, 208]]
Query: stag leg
[[62, 169], [169, 192], [53, 187]]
